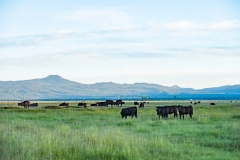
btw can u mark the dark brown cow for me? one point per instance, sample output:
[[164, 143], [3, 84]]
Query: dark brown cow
[[185, 110], [20, 104], [130, 111], [64, 104], [26, 104]]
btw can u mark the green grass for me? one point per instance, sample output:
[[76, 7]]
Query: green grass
[[101, 133]]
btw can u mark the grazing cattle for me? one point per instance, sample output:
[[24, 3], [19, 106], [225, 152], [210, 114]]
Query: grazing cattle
[[119, 102], [34, 104], [136, 103], [101, 103], [185, 110], [212, 104], [141, 105], [173, 109], [199, 102], [109, 102], [64, 104], [162, 111], [82, 104], [94, 104], [20, 104], [165, 110], [130, 111], [195, 103], [26, 104]]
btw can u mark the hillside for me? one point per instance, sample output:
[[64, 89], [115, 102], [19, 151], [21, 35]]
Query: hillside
[[56, 87]]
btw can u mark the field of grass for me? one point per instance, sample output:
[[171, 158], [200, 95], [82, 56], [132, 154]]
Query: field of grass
[[101, 133]]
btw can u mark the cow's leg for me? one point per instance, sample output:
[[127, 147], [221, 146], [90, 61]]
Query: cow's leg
[[175, 115], [190, 115], [183, 116]]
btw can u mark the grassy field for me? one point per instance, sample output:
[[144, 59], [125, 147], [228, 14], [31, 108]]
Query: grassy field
[[101, 133]]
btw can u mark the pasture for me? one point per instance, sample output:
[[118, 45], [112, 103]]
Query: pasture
[[100, 132]]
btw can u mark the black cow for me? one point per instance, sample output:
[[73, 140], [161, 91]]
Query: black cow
[[20, 104], [165, 110], [64, 104], [141, 105], [185, 110], [82, 104], [119, 102], [94, 104], [162, 111], [136, 103], [173, 109], [109, 102], [26, 104], [212, 104], [34, 104], [101, 104], [130, 111]]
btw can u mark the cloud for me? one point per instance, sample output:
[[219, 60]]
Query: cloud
[[107, 19], [112, 15], [189, 25], [34, 39]]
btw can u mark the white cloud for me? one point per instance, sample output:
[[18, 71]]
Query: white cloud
[[107, 19], [181, 25], [225, 25], [189, 25]]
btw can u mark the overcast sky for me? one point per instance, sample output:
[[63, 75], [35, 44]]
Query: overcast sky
[[186, 43]]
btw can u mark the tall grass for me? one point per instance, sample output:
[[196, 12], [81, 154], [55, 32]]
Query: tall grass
[[100, 133]]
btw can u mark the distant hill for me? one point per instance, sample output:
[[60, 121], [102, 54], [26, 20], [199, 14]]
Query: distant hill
[[56, 87]]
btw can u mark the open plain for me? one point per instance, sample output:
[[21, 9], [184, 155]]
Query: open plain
[[52, 132]]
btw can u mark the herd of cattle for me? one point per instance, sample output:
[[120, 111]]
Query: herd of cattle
[[105, 103], [162, 111]]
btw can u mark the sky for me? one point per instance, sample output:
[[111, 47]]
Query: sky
[[192, 44]]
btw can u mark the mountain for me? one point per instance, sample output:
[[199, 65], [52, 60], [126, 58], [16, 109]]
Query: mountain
[[56, 87]]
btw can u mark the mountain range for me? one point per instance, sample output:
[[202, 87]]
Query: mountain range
[[56, 87]]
